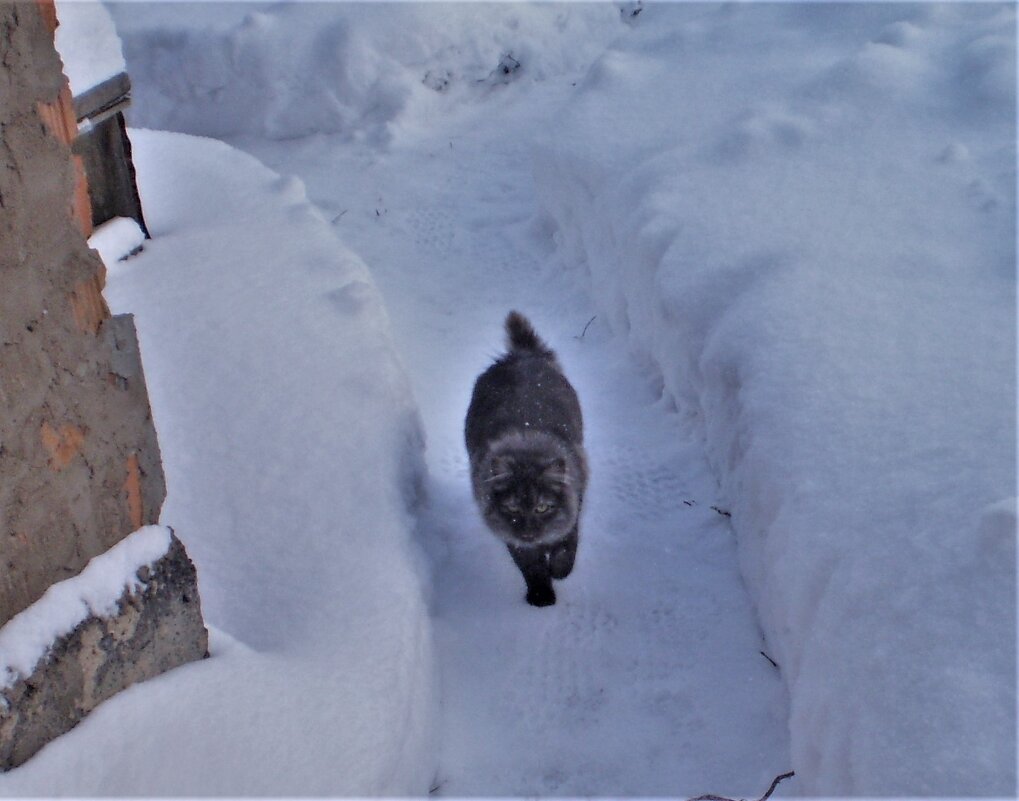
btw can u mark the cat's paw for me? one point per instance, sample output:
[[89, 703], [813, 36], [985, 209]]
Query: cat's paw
[[541, 596], [560, 561]]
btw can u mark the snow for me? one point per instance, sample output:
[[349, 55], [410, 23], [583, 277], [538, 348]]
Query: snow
[[87, 41], [774, 246], [95, 591], [117, 239], [646, 678], [821, 265], [366, 72], [292, 453]]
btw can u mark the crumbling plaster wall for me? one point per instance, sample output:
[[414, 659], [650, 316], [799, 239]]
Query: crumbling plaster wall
[[79, 461]]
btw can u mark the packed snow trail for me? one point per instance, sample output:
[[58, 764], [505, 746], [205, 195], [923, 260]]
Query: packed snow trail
[[647, 677]]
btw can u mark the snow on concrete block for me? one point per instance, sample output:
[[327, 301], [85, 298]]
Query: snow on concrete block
[[131, 614]]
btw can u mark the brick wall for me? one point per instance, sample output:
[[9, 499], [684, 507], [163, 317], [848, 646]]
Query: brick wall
[[79, 461]]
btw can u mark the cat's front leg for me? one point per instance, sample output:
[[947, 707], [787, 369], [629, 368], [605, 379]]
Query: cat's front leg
[[563, 554], [533, 563]]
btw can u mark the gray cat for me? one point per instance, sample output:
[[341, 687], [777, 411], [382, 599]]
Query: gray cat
[[524, 436]]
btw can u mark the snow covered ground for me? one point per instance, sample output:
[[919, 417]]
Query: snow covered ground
[[814, 242], [646, 678], [793, 227]]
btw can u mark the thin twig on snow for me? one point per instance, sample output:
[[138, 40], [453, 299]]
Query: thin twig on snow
[[764, 797], [586, 327]]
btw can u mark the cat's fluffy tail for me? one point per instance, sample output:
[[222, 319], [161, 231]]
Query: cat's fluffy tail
[[520, 335]]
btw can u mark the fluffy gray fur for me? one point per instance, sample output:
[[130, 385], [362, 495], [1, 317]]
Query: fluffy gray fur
[[524, 435]]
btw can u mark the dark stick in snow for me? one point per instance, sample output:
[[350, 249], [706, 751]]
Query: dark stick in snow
[[586, 327], [764, 797]]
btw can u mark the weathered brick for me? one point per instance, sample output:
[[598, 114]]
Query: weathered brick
[[79, 461]]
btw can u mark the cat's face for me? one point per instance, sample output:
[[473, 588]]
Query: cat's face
[[529, 500]]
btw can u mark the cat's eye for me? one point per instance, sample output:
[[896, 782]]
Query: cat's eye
[[542, 508], [511, 506]]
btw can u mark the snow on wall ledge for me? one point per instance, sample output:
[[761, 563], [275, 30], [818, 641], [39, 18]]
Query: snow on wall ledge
[[87, 41], [810, 235]]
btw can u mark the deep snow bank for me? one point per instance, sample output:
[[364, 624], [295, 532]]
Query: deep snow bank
[[360, 70], [292, 453], [804, 217]]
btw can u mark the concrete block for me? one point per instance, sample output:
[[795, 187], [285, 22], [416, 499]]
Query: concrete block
[[155, 629]]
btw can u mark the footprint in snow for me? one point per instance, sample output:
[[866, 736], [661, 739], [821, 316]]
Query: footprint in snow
[[352, 298]]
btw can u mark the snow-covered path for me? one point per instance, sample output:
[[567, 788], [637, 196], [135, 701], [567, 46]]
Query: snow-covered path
[[647, 677]]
